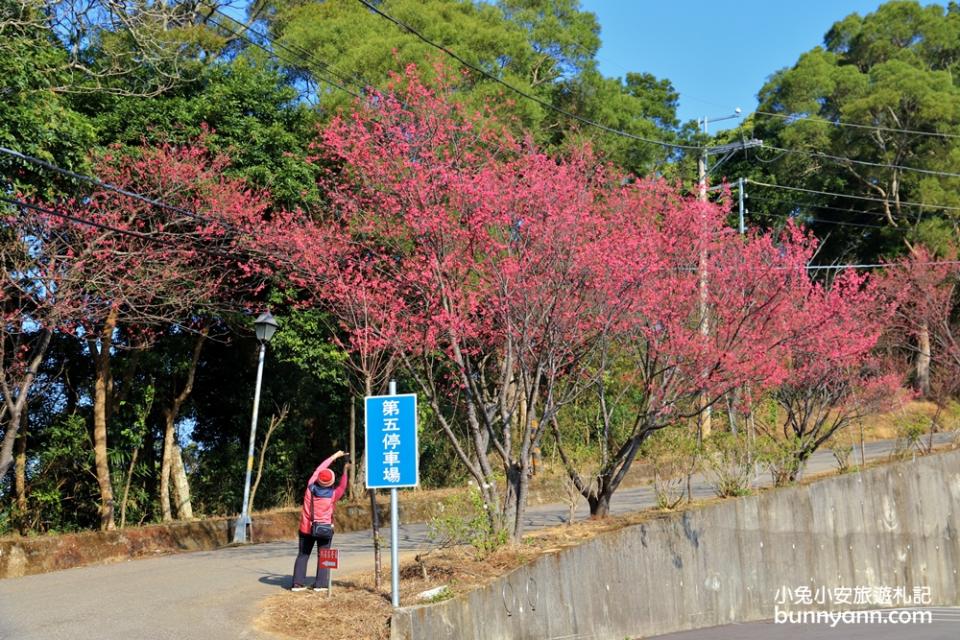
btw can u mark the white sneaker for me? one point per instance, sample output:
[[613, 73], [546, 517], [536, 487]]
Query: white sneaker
[[298, 587]]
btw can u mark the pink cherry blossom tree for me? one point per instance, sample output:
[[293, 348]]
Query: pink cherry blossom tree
[[481, 257], [660, 367], [921, 290], [833, 376]]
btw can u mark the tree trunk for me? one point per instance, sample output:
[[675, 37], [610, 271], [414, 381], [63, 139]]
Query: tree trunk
[[792, 473], [599, 504], [101, 399], [126, 487], [923, 360], [9, 438], [521, 504], [354, 492], [510, 500], [151, 483], [15, 400], [360, 467], [181, 485], [100, 450], [608, 481], [374, 514], [20, 475], [171, 448], [165, 465], [100, 445], [275, 421], [375, 523], [143, 413]]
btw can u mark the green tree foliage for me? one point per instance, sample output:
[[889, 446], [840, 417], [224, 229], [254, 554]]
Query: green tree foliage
[[896, 74], [244, 107], [640, 104], [544, 48], [35, 118]]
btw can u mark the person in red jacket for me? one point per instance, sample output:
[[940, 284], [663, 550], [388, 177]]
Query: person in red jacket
[[318, 502]]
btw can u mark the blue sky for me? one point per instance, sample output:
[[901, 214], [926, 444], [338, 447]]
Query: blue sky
[[716, 54]]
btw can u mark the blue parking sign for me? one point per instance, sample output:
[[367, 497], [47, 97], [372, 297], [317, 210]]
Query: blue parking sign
[[392, 456]]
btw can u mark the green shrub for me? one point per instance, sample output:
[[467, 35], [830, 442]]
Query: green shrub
[[674, 454], [444, 594], [465, 520], [729, 459], [781, 458], [911, 430], [842, 451]]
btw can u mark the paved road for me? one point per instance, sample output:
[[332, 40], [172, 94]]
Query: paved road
[[214, 594], [945, 626]]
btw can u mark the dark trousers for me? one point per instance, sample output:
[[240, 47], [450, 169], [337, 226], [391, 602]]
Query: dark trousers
[[300, 566]]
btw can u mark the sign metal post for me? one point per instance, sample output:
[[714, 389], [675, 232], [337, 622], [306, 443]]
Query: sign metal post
[[392, 459]]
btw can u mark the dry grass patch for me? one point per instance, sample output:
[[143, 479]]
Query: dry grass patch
[[349, 613], [358, 611]]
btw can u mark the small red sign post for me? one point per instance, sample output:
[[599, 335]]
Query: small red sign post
[[328, 559]]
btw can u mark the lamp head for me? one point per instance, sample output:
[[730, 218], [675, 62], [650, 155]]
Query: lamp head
[[265, 326]]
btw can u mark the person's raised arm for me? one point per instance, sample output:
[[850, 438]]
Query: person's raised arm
[[338, 492]]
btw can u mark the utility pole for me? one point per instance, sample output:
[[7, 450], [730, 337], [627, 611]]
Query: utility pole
[[702, 176], [740, 181], [726, 150], [706, 417]]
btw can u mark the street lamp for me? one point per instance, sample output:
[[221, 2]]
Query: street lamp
[[265, 326], [703, 121]]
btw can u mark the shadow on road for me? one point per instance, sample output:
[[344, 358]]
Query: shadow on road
[[277, 580]]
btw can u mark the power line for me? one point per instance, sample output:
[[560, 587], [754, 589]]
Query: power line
[[540, 101], [881, 265], [106, 227], [839, 123], [106, 185], [244, 28], [289, 49], [157, 240], [278, 261], [294, 63], [806, 219], [844, 160], [358, 81], [365, 85], [245, 254], [815, 205], [844, 195]]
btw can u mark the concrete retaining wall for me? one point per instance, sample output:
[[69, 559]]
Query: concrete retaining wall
[[891, 526]]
